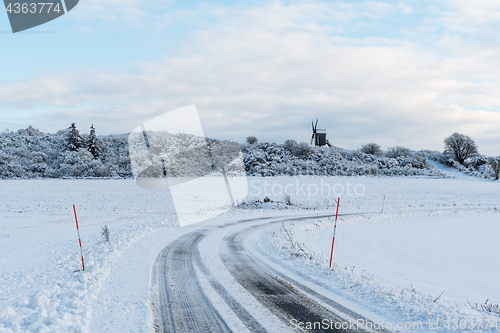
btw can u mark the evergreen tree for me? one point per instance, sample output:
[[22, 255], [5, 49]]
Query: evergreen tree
[[93, 143], [73, 139]]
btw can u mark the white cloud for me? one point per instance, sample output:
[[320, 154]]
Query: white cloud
[[463, 13], [130, 11], [269, 70]]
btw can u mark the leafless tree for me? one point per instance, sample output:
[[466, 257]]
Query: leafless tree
[[371, 149], [251, 139], [460, 146]]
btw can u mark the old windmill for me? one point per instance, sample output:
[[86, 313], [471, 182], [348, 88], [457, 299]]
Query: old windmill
[[319, 136]]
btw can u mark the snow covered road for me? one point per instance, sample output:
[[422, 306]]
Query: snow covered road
[[180, 300]]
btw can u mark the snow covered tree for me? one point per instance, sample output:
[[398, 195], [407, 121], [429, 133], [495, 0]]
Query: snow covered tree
[[289, 144], [302, 149], [495, 165], [74, 140], [460, 146], [398, 151], [93, 143], [251, 139], [371, 149]]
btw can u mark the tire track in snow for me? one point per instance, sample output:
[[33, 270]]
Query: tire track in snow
[[275, 291], [183, 306]]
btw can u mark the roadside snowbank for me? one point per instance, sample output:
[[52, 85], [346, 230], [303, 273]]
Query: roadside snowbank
[[65, 306]]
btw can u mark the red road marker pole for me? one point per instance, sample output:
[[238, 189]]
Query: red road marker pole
[[383, 202], [334, 231], [79, 239]]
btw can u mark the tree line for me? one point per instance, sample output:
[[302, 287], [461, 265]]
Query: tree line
[[30, 153], [458, 148]]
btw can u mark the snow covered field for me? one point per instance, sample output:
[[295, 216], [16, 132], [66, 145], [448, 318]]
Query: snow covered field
[[39, 247], [396, 266], [424, 238], [435, 240]]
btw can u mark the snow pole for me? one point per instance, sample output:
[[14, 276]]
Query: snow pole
[[79, 239], [334, 231], [383, 202]]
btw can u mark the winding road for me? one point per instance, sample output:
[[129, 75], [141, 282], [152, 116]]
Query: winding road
[[257, 297]]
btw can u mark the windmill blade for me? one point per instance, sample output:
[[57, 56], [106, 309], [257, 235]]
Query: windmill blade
[[316, 126], [312, 124], [312, 138]]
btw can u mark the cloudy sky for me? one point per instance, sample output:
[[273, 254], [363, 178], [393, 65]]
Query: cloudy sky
[[404, 73]]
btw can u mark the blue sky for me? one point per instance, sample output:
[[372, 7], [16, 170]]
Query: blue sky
[[393, 72]]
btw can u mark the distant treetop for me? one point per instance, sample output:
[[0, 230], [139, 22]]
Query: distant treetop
[[74, 140], [460, 146], [251, 140]]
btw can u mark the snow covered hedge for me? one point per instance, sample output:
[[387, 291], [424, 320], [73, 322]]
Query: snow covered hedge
[[30, 153], [476, 166], [271, 159]]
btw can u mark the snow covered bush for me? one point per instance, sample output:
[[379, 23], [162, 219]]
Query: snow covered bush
[[289, 144], [398, 151], [183, 155], [476, 166], [302, 149], [371, 149], [266, 159], [495, 166]]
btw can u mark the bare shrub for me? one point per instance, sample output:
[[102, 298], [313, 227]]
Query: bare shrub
[[297, 249], [438, 297], [288, 200], [105, 233], [413, 289], [486, 307]]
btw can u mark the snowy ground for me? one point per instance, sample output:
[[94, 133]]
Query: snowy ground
[[424, 238], [397, 265], [435, 237], [39, 247]]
